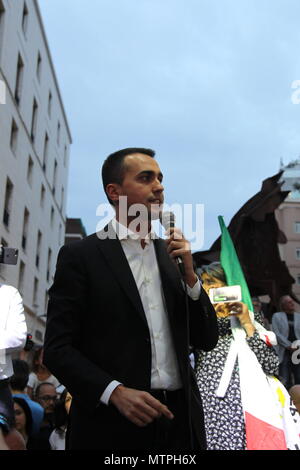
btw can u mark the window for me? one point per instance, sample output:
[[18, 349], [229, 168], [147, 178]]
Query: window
[[3, 242], [58, 133], [298, 279], [21, 278], [62, 198], [297, 253], [2, 270], [35, 292], [54, 177], [34, 120], [2, 14], [43, 193], [30, 170], [38, 249], [25, 228], [8, 202], [50, 104], [49, 264], [52, 216], [25, 19], [14, 136], [19, 79], [39, 67], [59, 234], [65, 156], [46, 150], [297, 227]]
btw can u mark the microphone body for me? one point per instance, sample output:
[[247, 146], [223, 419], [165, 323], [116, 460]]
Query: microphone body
[[167, 220]]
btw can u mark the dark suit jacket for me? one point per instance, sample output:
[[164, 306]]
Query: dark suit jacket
[[97, 332]]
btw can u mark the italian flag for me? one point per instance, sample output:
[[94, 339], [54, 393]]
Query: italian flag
[[263, 419]]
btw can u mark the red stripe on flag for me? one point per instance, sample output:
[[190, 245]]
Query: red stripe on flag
[[268, 343], [263, 436]]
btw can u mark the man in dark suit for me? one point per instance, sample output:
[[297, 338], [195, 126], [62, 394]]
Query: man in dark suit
[[117, 328]]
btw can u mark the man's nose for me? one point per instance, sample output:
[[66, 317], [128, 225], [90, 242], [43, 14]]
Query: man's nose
[[158, 186]]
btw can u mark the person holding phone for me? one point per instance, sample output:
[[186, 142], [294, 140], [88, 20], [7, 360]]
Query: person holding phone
[[224, 417]]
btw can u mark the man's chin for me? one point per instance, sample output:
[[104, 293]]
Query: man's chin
[[155, 211], [154, 215]]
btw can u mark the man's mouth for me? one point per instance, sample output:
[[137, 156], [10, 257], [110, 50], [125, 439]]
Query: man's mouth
[[155, 201]]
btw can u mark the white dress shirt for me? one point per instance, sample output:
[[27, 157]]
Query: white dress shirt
[[13, 328], [143, 264]]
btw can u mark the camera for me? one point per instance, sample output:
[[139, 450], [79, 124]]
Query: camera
[[8, 255]]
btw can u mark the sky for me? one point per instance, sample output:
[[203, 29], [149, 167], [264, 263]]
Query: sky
[[207, 84]]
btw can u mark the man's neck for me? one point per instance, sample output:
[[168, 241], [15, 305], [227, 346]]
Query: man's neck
[[142, 230], [144, 227], [290, 312]]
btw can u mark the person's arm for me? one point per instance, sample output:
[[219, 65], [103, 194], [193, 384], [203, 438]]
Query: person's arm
[[86, 382], [10, 438], [265, 354], [13, 337], [31, 385], [68, 300], [204, 332], [282, 340], [203, 320], [3, 445], [241, 311], [138, 406], [15, 441]]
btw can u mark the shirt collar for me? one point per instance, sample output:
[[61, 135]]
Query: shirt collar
[[124, 233]]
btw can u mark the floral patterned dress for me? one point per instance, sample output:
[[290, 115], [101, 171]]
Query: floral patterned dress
[[224, 419]]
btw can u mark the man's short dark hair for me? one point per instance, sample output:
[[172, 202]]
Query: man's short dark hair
[[38, 388], [113, 168], [19, 380], [282, 301]]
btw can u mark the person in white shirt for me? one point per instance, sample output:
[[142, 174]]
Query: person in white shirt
[[13, 333], [40, 374], [117, 333], [286, 326]]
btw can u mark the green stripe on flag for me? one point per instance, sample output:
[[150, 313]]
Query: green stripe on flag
[[231, 265]]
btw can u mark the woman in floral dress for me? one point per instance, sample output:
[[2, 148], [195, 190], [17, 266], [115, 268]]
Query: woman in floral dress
[[224, 418]]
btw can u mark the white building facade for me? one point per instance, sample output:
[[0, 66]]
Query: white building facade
[[35, 141]]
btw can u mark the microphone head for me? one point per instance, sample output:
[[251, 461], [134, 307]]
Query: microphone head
[[167, 219]]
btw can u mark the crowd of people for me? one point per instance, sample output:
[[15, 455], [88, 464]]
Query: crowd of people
[[122, 321], [41, 405]]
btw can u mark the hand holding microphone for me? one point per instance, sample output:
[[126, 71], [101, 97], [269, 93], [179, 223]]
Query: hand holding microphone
[[179, 248]]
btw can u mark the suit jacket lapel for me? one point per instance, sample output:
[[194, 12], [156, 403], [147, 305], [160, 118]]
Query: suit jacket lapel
[[112, 250], [169, 275]]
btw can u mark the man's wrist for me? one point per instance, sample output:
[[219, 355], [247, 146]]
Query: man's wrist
[[191, 278]]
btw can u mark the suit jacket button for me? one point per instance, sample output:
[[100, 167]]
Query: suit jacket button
[[147, 340]]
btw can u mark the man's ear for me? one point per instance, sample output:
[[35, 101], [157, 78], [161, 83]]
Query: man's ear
[[113, 191]]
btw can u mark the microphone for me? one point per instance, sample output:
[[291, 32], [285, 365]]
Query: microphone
[[167, 220]]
